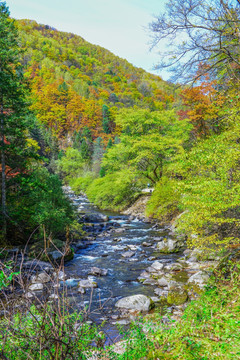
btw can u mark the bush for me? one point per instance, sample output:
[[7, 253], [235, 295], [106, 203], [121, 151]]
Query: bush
[[115, 191], [164, 202]]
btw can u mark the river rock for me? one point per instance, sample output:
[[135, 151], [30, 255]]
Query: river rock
[[132, 247], [163, 282], [87, 284], [143, 276], [160, 292], [81, 290], [146, 244], [150, 282], [200, 279], [59, 275], [128, 254], [38, 265], [36, 287], [168, 246], [41, 278], [157, 266], [137, 302], [173, 267], [97, 271], [177, 295]]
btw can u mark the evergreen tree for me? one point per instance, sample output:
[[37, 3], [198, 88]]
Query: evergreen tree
[[12, 109]]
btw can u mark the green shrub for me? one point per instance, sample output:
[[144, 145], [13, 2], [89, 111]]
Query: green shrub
[[164, 202], [114, 191]]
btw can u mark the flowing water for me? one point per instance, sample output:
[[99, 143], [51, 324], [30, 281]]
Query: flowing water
[[104, 246]]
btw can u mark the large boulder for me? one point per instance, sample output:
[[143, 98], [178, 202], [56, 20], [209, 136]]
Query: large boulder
[[139, 302], [168, 246]]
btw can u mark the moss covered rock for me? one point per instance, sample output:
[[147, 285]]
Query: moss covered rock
[[177, 295]]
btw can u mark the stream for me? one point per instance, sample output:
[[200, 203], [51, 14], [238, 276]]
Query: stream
[[104, 247]]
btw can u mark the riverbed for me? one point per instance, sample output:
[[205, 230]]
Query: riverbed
[[122, 245]]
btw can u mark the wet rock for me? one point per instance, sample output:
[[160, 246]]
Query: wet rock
[[132, 247], [97, 271], [119, 230], [87, 284], [41, 278], [128, 254], [36, 287], [137, 302], [152, 258], [72, 282], [146, 244], [177, 295]]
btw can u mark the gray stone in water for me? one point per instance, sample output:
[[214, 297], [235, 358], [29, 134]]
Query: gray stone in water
[[97, 271], [87, 284], [146, 244], [132, 247], [36, 287], [40, 278], [128, 254], [152, 258], [137, 302]]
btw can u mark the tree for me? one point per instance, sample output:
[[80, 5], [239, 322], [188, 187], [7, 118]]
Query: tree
[[12, 106], [197, 31]]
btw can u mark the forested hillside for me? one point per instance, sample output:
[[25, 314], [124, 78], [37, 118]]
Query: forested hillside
[[77, 88], [120, 128]]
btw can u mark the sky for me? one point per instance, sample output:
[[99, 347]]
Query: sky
[[117, 25]]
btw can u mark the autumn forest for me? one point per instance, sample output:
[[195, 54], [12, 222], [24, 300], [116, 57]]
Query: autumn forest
[[73, 114]]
